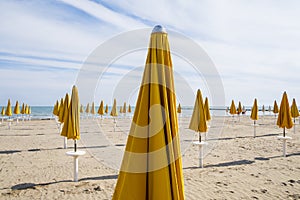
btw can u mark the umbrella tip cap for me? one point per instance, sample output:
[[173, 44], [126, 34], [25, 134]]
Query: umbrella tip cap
[[159, 29]]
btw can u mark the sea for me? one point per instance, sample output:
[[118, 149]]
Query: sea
[[45, 112]]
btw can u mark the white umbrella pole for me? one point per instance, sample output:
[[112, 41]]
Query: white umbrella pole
[[254, 128], [65, 143], [201, 156], [115, 124], [284, 148]]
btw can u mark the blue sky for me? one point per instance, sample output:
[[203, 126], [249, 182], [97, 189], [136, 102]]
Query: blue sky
[[255, 45]]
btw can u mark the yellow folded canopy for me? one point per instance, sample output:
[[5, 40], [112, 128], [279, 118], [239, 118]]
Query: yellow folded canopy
[[254, 111], [71, 128], [93, 111], [81, 108], [26, 110], [151, 167], [179, 108], [129, 108], [198, 120], [275, 108], [232, 108], [23, 109], [206, 108], [8, 109], [87, 109], [284, 117], [121, 110], [240, 109], [3, 111], [124, 108], [56, 108], [106, 109], [61, 111], [294, 109], [101, 109], [114, 111], [17, 108]]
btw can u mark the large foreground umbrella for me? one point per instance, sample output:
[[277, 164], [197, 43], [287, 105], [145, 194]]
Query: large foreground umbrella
[[284, 118], [254, 115], [151, 167], [198, 123], [294, 112], [71, 128]]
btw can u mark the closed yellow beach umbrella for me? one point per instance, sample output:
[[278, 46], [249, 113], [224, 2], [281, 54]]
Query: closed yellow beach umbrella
[[114, 112], [87, 109], [263, 109], [254, 111], [275, 108], [294, 110], [106, 109], [8, 111], [124, 108], [129, 108], [3, 111], [26, 109], [284, 117], [71, 128], [61, 111], [240, 109], [17, 108], [232, 108], [56, 108], [254, 115], [101, 109], [152, 166], [93, 111], [81, 108], [179, 108], [121, 110], [198, 120], [206, 108], [23, 109]]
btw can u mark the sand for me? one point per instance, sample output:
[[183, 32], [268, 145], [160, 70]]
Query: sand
[[33, 164]]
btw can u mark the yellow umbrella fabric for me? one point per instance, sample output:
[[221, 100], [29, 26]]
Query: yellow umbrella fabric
[[179, 108], [26, 109], [114, 111], [232, 108], [254, 111], [124, 108], [87, 109], [93, 111], [61, 111], [275, 108], [129, 108], [71, 128], [81, 108], [284, 117], [198, 120], [23, 109], [3, 111], [8, 109], [101, 109], [206, 108], [121, 109], [294, 109], [56, 108], [17, 108], [158, 173], [106, 109], [240, 109]]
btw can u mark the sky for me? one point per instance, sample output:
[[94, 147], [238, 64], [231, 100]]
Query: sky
[[254, 45]]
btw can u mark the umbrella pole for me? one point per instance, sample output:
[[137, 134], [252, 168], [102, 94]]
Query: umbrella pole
[[75, 145], [284, 148], [65, 143], [115, 124], [294, 125], [199, 137], [254, 128], [284, 132]]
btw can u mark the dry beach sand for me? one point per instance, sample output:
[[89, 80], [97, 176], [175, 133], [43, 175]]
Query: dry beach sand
[[33, 164]]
